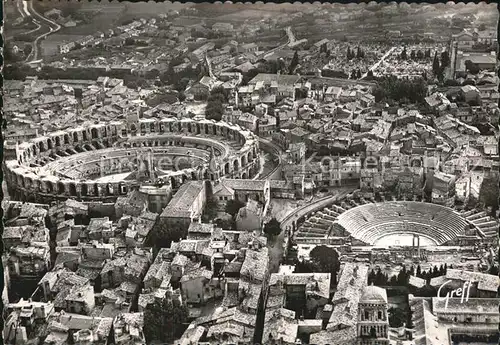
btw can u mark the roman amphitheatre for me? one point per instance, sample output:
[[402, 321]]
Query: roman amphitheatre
[[367, 223], [104, 161]]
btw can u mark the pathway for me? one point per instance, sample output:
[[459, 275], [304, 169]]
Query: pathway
[[277, 151], [374, 67], [276, 250]]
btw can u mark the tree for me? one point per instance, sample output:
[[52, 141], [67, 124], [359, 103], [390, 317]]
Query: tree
[[435, 65], [9, 55], [404, 55], [164, 321], [324, 151], [392, 88], [381, 279], [334, 74], [359, 54], [371, 277], [294, 62], [181, 84], [272, 228], [215, 104], [472, 67], [27, 49], [325, 259], [403, 276], [451, 82], [489, 193], [350, 54], [233, 206], [412, 271], [302, 266], [224, 221], [445, 59], [323, 48], [210, 211], [435, 272], [129, 41], [397, 317]]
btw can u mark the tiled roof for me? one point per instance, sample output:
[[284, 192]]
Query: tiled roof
[[255, 264], [180, 260], [201, 227], [197, 273], [182, 201], [282, 79], [316, 283], [470, 306], [238, 184], [349, 288], [345, 336], [417, 282], [486, 282]]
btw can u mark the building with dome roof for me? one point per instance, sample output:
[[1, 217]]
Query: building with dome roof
[[373, 321]]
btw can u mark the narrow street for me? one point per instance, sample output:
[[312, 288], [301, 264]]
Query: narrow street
[[272, 149], [450, 70], [374, 67]]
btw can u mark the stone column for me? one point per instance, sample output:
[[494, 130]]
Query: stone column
[[418, 246]]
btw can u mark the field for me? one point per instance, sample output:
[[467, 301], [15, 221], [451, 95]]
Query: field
[[185, 21], [153, 9], [49, 45], [11, 11], [243, 15], [107, 18]]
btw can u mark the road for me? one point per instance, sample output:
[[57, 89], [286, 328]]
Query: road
[[291, 36], [374, 67], [314, 206], [276, 251], [41, 21], [277, 151], [21, 7], [450, 70]]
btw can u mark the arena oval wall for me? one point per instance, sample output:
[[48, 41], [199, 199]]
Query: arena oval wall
[[31, 176]]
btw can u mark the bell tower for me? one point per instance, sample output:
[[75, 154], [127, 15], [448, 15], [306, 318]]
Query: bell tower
[[373, 319]]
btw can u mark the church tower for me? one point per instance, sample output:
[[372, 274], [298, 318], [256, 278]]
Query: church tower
[[373, 320]]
